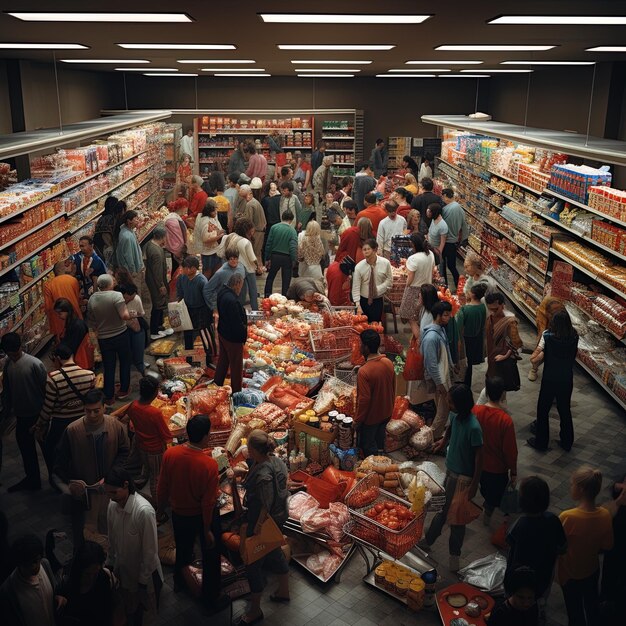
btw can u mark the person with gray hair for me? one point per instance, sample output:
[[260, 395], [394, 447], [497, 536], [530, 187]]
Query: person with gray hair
[[156, 279], [232, 329], [107, 313], [197, 200], [255, 213]]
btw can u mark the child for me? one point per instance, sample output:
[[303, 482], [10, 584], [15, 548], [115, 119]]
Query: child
[[151, 432], [471, 320], [537, 537], [520, 607], [464, 462], [589, 531], [500, 446], [137, 330]]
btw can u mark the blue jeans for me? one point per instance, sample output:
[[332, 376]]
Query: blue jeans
[[249, 284], [112, 349], [137, 348]]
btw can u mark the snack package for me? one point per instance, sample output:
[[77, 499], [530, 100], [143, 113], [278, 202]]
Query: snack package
[[301, 502], [400, 405], [412, 419], [315, 520], [422, 439]]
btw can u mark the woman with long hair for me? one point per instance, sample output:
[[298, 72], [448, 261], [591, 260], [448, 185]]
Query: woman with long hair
[[410, 183], [104, 232], [75, 334], [557, 349], [311, 252], [420, 272], [475, 274], [353, 238], [413, 218], [438, 229], [207, 233]]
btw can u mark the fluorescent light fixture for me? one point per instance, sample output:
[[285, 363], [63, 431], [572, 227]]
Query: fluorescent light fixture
[[420, 69], [607, 49], [547, 63], [503, 71], [337, 18], [129, 61], [405, 76], [444, 62], [177, 46], [562, 20], [493, 48], [334, 70], [325, 75], [232, 69], [42, 46], [143, 69], [464, 76], [75, 16], [243, 74], [214, 61], [168, 74], [297, 46], [326, 62]]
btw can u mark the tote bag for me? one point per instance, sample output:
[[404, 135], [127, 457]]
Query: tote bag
[[260, 545], [179, 316], [414, 365]]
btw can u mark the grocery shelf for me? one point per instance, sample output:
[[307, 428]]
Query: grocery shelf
[[216, 147], [586, 207], [32, 230], [540, 236], [251, 131], [337, 137], [31, 254], [4, 218], [37, 278], [539, 269], [339, 150], [601, 383], [45, 340], [340, 129], [539, 250], [514, 182], [93, 217], [28, 314], [509, 237]]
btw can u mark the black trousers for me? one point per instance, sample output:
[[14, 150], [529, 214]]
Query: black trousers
[[49, 447], [372, 438], [156, 320], [186, 529], [582, 601], [28, 449], [282, 262], [449, 259], [373, 311], [562, 392]]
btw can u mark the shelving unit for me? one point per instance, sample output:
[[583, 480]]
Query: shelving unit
[[340, 137], [503, 211], [172, 134], [68, 206], [397, 148]]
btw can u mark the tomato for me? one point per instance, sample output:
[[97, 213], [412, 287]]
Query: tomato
[[388, 505], [392, 525], [379, 508], [371, 513]]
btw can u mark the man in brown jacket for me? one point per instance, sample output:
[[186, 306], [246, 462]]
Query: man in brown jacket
[[156, 279], [89, 448], [375, 394]]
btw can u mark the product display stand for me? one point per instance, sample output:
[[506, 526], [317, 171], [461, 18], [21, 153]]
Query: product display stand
[[397, 148]]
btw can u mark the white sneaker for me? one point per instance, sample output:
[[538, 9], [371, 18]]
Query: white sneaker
[[159, 335], [454, 563], [168, 332]]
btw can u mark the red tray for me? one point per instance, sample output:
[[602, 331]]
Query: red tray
[[448, 613]]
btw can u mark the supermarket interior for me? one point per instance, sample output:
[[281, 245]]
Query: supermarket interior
[[284, 300]]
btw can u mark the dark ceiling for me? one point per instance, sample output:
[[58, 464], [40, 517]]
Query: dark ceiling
[[453, 22]]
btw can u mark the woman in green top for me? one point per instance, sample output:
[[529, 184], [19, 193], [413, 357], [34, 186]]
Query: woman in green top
[[305, 213], [471, 320]]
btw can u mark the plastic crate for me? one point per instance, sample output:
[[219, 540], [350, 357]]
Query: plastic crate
[[396, 543], [332, 344]]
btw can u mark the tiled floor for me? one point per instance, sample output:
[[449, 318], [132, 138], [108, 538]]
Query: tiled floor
[[600, 427]]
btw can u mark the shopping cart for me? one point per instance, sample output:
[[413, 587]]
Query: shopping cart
[[332, 344]]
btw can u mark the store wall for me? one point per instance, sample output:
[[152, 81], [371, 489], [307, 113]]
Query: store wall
[[5, 106], [82, 94]]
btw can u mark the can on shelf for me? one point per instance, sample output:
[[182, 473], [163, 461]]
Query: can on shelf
[[430, 587]]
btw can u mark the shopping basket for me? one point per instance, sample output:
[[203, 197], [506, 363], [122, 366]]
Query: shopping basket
[[332, 344], [395, 543], [346, 374]]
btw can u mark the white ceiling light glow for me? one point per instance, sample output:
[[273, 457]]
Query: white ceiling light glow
[[232, 69], [561, 20], [177, 46], [215, 61], [325, 75], [143, 69], [317, 69], [168, 74], [432, 69], [336, 18], [465, 76], [42, 46], [548, 63], [244, 75], [104, 61], [493, 48], [444, 62], [405, 76], [326, 62], [607, 49], [502, 71], [297, 46], [74, 16]]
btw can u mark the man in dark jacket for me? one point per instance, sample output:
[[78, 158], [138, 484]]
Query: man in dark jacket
[[422, 200], [232, 328], [156, 279], [364, 182]]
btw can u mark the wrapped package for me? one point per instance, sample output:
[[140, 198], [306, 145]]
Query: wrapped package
[[422, 439], [339, 517], [412, 419], [397, 427], [234, 440], [315, 562], [315, 520], [400, 405], [330, 566], [301, 502]]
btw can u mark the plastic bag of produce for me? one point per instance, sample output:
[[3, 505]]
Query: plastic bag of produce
[[315, 520], [324, 492], [422, 439], [396, 428], [339, 517], [301, 502], [315, 562], [412, 419], [330, 566], [400, 405]]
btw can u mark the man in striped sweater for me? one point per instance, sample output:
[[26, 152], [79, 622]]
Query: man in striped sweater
[[63, 402]]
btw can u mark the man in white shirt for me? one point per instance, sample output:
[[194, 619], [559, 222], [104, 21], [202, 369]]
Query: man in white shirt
[[372, 279], [389, 226], [133, 547], [186, 144]]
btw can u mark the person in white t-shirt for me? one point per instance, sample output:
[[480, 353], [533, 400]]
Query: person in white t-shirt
[[420, 268], [389, 226], [137, 330], [186, 144]]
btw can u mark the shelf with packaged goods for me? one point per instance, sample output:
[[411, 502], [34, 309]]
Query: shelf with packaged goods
[[506, 260], [252, 131], [539, 250], [338, 150], [509, 237], [32, 230], [149, 231], [17, 263], [27, 314], [35, 280], [520, 304], [586, 207], [539, 269], [347, 129], [337, 137], [83, 224], [60, 192]]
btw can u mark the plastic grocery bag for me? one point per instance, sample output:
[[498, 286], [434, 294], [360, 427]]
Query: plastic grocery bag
[[179, 316], [486, 573], [462, 510], [510, 500]]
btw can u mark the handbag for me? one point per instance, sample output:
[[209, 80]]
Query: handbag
[[260, 545], [207, 335], [414, 365], [510, 500], [179, 316]]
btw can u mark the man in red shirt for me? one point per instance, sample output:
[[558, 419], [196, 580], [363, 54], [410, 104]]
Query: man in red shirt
[[375, 395], [372, 211], [198, 198], [338, 285], [189, 483], [151, 432]]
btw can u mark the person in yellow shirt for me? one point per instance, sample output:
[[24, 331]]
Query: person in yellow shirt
[[589, 531]]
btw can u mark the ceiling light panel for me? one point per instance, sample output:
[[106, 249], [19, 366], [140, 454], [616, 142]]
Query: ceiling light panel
[[464, 76], [232, 69], [327, 62], [607, 49], [493, 48], [562, 20], [298, 46], [325, 75], [431, 69], [143, 69], [74, 16], [177, 46], [502, 71], [111, 61], [337, 18], [405, 76], [244, 75], [168, 74], [444, 62], [42, 46], [215, 61], [317, 69], [547, 63]]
